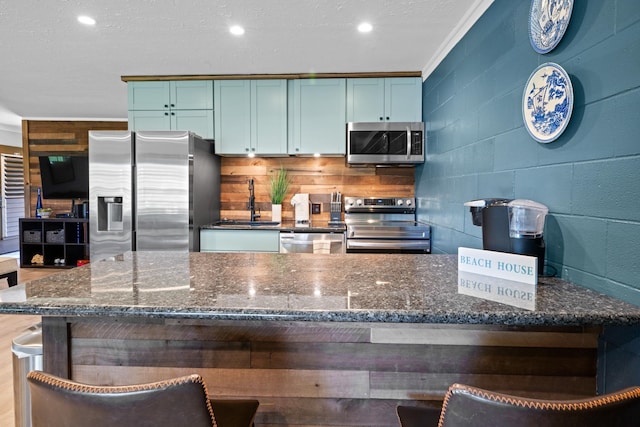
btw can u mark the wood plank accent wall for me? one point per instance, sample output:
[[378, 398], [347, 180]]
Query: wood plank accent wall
[[332, 373], [317, 176], [43, 138]]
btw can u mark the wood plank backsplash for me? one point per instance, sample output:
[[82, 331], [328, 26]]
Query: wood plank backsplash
[[317, 176]]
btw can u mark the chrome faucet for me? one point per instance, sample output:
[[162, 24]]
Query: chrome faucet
[[252, 202]]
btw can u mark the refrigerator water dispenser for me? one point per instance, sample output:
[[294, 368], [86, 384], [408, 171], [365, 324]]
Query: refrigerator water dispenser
[[110, 216]]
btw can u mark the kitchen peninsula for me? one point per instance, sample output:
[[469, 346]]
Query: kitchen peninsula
[[318, 339]]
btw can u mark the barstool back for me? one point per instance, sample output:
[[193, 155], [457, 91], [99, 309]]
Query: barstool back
[[470, 406], [178, 402]]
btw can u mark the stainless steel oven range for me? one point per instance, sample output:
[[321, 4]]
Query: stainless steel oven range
[[385, 225]]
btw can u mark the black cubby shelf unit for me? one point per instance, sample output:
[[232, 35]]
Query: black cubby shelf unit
[[65, 240]]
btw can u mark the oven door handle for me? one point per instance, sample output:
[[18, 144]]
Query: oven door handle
[[389, 235]]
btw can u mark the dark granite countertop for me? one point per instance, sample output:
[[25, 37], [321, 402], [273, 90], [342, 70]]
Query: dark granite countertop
[[285, 226], [396, 288]]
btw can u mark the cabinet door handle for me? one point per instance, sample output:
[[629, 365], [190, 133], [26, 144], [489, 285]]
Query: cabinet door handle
[[381, 119], [387, 118], [166, 114], [173, 105], [166, 106]]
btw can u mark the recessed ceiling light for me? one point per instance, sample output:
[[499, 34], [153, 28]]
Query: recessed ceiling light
[[86, 20], [365, 27], [236, 30]]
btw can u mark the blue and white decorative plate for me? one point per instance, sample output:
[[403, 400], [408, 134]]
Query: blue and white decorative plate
[[547, 102], [548, 20]]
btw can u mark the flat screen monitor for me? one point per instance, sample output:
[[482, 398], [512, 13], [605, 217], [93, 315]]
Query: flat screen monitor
[[65, 177]]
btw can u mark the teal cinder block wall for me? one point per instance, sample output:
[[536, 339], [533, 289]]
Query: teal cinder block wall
[[589, 178]]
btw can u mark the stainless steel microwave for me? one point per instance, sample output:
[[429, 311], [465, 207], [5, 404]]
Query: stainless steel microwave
[[385, 143]]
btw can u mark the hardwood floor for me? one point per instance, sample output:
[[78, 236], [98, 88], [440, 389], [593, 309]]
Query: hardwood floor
[[12, 326]]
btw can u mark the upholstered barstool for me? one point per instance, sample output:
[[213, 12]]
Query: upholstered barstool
[[471, 406], [9, 270], [418, 416], [177, 402]]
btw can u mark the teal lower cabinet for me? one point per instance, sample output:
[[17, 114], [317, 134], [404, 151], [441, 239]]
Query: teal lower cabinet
[[215, 240]]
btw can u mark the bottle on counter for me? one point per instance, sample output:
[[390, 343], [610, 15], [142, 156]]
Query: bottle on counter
[[38, 203]]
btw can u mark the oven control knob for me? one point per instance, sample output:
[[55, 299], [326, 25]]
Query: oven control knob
[[399, 202], [408, 202], [359, 202]]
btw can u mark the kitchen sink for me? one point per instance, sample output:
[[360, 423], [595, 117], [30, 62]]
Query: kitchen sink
[[233, 222]]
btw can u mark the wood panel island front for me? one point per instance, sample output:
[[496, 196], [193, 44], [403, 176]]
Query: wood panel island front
[[323, 340]]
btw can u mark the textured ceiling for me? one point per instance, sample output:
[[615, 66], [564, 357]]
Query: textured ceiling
[[54, 67]]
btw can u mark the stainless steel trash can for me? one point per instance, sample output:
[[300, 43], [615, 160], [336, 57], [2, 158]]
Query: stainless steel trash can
[[27, 356]]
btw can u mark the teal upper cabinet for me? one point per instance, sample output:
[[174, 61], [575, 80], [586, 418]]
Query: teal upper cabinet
[[317, 113], [250, 117], [179, 95], [172, 105], [198, 121], [232, 116], [191, 94], [394, 99], [269, 116], [149, 120], [365, 100], [403, 99], [149, 95]]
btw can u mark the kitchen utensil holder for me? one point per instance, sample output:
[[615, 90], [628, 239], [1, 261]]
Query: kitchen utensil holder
[[336, 212]]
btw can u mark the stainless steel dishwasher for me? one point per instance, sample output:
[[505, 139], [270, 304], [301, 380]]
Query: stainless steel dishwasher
[[312, 243]]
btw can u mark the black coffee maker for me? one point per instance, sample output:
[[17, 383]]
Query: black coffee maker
[[513, 226]]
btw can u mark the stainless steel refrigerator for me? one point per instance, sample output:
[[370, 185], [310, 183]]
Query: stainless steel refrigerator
[[150, 191]]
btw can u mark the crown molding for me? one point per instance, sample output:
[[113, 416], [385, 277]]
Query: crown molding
[[471, 17]]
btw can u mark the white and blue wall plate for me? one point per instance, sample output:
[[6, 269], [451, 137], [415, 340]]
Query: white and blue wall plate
[[547, 102], [548, 20]]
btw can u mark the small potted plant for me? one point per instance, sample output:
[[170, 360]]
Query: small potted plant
[[279, 186], [44, 212]]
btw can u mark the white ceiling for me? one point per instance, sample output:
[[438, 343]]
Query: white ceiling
[[55, 68]]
